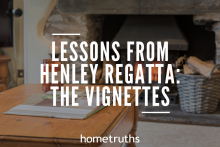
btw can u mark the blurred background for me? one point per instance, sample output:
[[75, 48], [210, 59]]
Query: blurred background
[[20, 40], [26, 27]]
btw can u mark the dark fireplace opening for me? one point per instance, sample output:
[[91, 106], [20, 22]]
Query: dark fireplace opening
[[200, 43]]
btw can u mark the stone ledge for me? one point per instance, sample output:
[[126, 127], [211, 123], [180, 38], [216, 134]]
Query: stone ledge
[[178, 116]]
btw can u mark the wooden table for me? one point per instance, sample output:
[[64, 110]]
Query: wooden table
[[24, 131]]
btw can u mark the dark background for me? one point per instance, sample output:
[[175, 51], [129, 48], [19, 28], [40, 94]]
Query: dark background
[[201, 42]]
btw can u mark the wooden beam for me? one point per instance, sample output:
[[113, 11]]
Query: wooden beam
[[139, 6]]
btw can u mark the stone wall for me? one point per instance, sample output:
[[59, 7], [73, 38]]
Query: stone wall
[[211, 20], [216, 29], [89, 27]]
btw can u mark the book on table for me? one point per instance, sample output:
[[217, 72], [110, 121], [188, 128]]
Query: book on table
[[42, 105]]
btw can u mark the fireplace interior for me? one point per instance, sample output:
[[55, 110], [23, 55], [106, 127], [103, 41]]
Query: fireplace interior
[[183, 36]]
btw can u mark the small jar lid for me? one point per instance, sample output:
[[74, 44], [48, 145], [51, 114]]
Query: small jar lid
[[50, 61], [47, 61]]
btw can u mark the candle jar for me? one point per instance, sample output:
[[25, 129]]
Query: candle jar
[[46, 86]]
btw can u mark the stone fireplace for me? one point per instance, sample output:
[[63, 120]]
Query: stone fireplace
[[102, 20]]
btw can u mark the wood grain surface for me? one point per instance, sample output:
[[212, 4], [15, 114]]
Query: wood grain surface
[[54, 130]]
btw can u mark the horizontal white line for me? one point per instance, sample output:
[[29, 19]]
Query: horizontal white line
[[65, 34], [155, 112]]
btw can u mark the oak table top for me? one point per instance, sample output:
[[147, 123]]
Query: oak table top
[[56, 130]]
